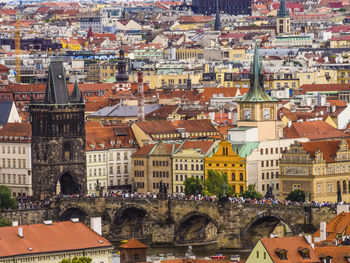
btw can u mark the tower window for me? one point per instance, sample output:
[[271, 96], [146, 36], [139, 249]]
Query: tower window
[[67, 151]]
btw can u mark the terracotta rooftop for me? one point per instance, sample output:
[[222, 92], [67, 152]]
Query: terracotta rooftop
[[314, 130], [56, 237], [14, 131], [291, 245], [339, 254], [133, 243]]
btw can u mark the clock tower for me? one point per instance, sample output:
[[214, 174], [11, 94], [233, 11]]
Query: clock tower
[[257, 108]]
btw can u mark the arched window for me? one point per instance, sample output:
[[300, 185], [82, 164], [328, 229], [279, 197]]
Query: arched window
[[233, 177], [241, 176], [344, 187]]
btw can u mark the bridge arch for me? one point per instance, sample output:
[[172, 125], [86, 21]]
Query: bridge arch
[[74, 212], [196, 227], [262, 225], [132, 221], [66, 184]]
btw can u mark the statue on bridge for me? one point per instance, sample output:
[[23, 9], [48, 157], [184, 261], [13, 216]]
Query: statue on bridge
[[269, 194], [163, 191]]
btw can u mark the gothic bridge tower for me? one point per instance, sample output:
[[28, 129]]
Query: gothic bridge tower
[[58, 138]]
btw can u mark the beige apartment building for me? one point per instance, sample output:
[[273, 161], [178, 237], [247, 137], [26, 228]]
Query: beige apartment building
[[151, 165]]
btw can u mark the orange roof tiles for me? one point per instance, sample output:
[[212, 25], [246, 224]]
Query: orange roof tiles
[[16, 130], [314, 130], [195, 19], [338, 225], [328, 148], [226, 92], [323, 87], [291, 244], [203, 146], [133, 243], [339, 254], [41, 238]]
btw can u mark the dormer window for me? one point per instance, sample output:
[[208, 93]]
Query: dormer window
[[281, 253], [304, 252]]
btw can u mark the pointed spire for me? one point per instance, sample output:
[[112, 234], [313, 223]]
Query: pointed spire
[[217, 25], [282, 11], [76, 94], [56, 89], [256, 90]]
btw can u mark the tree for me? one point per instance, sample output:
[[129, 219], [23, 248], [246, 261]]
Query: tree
[[251, 193], [296, 196], [217, 184], [77, 260], [193, 186], [6, 200], [4, 222]]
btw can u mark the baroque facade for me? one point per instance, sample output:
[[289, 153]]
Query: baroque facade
[[321, 169]]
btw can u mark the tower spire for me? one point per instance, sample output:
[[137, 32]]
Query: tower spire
[[282, 11], [256, 90], [217, 25]]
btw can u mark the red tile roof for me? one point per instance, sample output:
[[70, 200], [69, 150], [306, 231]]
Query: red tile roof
[[328, 148], [203, 146], [195, 19], [323, 87], [41, 238], [291, 244], [16, 131], [133, 243], [340, 254], [314, 130]]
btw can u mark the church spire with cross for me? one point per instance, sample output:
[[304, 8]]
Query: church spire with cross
[[217, 25]]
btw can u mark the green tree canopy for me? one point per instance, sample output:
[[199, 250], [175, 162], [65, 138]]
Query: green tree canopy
[[217, 184], [4, 222], [77, 260], [6, 200], [191, 185], [296, 196], [251, 193]]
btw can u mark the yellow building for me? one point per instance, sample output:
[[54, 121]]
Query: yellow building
[[98, 73], [225, 160], [158, 80], [320, 168], [188, 161], [190, 54], [343, 76], [320, 76], [71, 44]]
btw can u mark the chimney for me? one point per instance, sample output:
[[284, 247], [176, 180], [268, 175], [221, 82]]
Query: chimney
[[289, 124], [323, 231], [96, 225], [20, 232], [308, 239], [15, 223], [342, 208]]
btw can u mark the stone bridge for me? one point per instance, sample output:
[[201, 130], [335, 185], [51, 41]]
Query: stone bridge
[[182, 222]]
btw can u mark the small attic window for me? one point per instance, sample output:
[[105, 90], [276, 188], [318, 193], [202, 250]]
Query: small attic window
[[304, 252], [281, 253], [59, 76]]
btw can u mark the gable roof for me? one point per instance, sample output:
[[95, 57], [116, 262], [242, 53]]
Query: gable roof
[[56, 237], [56, 89], [314, 130], [339, 254], [291, 244]]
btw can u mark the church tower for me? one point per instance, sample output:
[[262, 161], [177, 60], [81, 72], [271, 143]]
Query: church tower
[[58, 138], [122, 76], [283, 20], [257, 108]]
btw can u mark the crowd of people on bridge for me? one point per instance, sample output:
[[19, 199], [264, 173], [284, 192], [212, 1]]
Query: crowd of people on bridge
[[27, 203]]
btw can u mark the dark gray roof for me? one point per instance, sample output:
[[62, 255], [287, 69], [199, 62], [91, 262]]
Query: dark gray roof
[[56, 88], [119, 110], [5, 109]]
